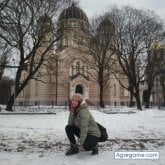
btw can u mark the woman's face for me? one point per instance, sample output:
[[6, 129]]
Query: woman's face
[[74, 103]]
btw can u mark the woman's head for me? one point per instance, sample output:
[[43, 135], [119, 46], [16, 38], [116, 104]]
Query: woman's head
[[76, 100]]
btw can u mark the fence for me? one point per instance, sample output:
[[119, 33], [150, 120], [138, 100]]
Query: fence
[[52, 104]]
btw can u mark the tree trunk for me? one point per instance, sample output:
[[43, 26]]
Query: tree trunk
[[164, 99], [148, 95], [10, 103], [138, 103], [137, 97], [131, 103], [147, 103], [101, 97], [163, 88]]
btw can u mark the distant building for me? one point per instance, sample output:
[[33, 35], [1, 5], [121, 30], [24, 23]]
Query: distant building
[[158, 93]]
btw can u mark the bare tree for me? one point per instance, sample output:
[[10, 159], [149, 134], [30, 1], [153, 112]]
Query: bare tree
[[153, 35], [3, 4], [4, 49], [132, 30], [102, 31], [4, 58], [28, 27], [162, 74]]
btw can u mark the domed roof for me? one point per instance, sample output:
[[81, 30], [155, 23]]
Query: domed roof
[[106, 22], [73, 12]]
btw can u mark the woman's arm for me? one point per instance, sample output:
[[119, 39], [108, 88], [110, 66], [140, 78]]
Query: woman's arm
[[71, 119], [84, 121]]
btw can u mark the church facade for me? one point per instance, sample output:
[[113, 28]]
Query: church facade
[[70, 73]]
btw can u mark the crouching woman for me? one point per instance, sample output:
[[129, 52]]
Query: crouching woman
[[81, 124]]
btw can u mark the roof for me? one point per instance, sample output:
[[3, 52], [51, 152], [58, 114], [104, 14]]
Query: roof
[[73, 12]]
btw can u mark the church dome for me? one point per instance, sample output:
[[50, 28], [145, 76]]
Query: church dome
[[73, 12], [106, 23]]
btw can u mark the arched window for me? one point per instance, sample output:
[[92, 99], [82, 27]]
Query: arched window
[[79, 89]]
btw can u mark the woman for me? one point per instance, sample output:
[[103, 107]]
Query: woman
[[81, 124]]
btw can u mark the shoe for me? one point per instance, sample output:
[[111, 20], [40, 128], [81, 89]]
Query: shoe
[[72, 150], [95, 150]]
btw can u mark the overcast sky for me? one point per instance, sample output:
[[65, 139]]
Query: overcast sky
[[92, 7]]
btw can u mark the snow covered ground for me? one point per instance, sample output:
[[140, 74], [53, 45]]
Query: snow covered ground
[[39, 139]]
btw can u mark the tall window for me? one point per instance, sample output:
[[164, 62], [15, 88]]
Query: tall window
[[72, 70], [66, 41], [87, 68], [83, 69], [77, 67], [74, 39]]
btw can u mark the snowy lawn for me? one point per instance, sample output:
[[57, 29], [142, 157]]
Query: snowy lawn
[[39, 139]]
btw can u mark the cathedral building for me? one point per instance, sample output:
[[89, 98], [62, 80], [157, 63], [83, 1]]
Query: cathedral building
[[70, 70]]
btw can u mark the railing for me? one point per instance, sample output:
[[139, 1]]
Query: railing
[[52, 106], [65, 104]]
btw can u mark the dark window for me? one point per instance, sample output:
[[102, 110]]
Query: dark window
[[79, 89]]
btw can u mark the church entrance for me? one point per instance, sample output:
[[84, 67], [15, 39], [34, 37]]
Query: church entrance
[[79, 89]]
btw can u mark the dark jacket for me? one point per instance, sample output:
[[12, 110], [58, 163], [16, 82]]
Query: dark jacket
[[84, 120]]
